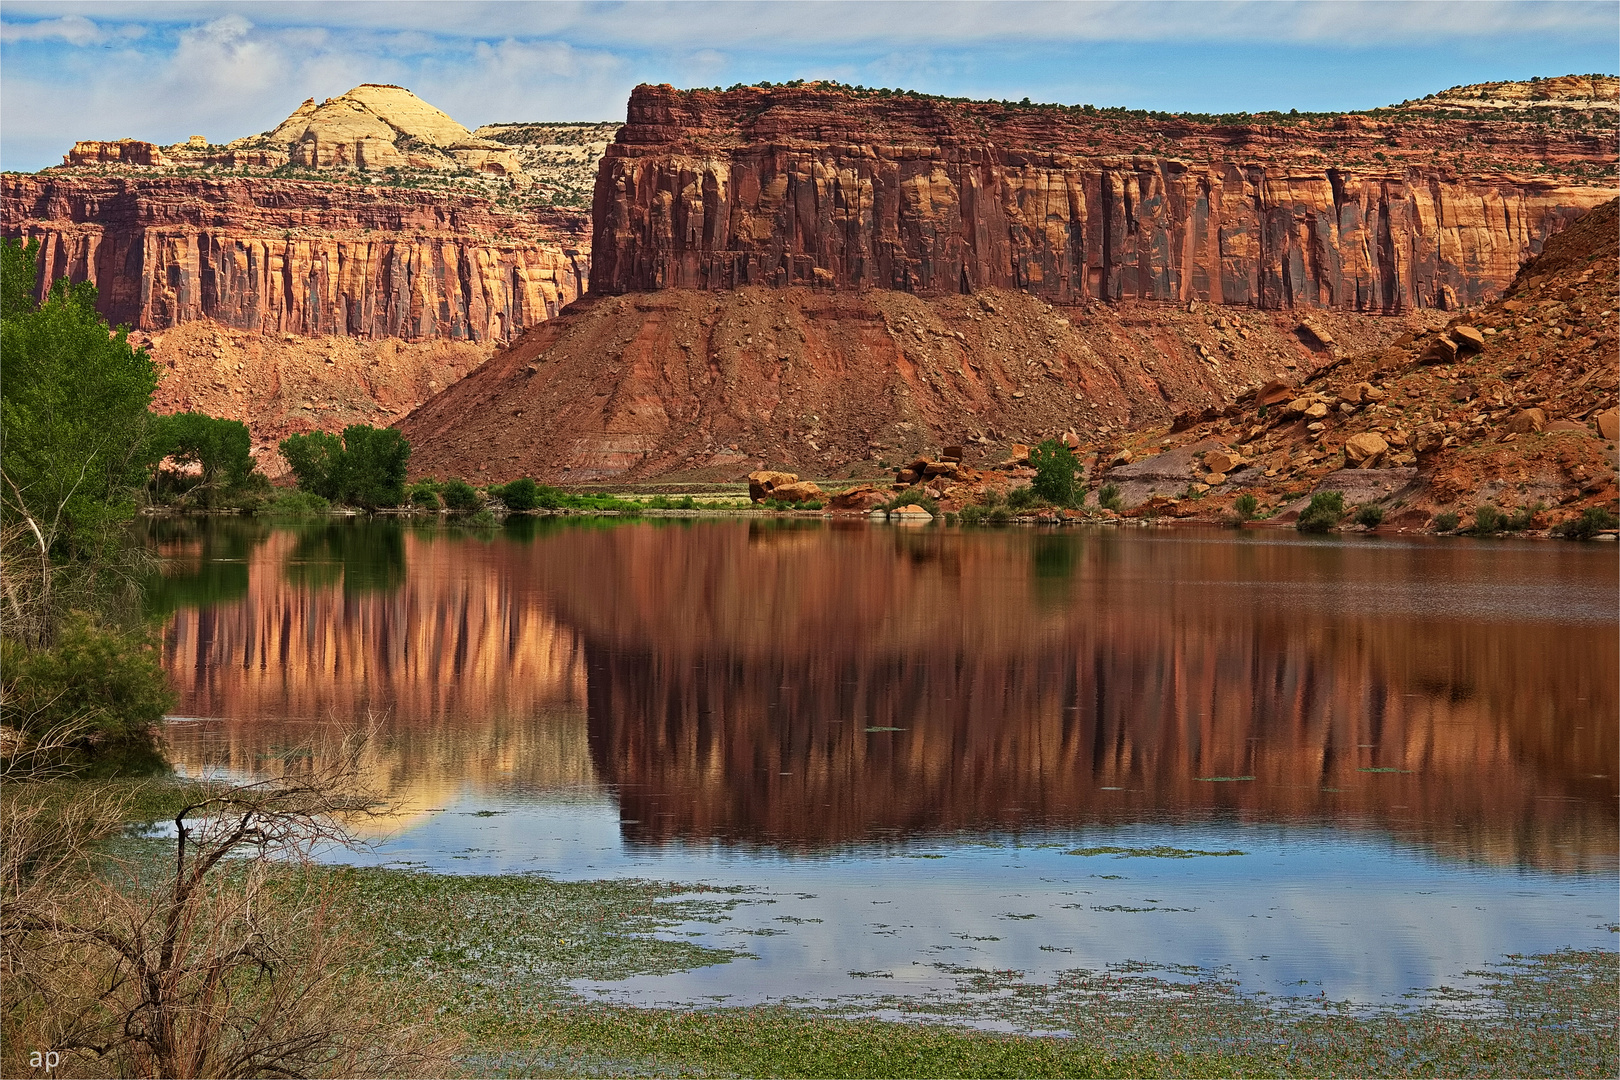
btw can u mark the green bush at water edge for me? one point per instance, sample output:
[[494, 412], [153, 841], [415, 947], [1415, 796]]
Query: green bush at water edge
[[102, 687], [1370, 515], [1056, 472], [459, 496], [1593, 520], [1324, 513], [521, 494], [365, 468]]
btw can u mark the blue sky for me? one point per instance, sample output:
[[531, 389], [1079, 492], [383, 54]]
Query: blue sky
[[163, 71]]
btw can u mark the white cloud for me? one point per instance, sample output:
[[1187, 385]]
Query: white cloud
[[519, 80], [73, 29], [849, 23]]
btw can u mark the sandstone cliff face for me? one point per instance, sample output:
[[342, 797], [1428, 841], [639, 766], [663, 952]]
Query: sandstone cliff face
[[832, 189], [299, 257]]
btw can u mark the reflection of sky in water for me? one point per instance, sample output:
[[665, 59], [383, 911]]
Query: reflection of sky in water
[[1308, 910], [1073, 688]]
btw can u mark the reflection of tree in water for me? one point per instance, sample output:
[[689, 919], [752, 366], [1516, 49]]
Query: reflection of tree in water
[[200, 562], [1052, 559], [366, 556]]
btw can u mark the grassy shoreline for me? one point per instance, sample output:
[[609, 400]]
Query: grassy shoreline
[[490, 960]]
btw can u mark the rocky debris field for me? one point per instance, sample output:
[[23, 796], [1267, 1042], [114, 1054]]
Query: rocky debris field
[[688, 385], [1510, 405]]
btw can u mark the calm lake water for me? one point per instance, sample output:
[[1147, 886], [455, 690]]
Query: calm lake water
[[1398, 757]]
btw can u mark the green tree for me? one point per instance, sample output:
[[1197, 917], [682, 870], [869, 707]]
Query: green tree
[[316, 461], [374, 462], [74, 438], [459, 495], [365, 468], [18, 276], [221, 448], [1056, 469], [521, 494]]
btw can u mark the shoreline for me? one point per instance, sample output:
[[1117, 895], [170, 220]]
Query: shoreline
[[1044, 518]]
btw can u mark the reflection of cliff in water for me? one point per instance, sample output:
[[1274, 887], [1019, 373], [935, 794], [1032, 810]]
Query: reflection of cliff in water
[[735, 682], [457, 662], [734, 671]]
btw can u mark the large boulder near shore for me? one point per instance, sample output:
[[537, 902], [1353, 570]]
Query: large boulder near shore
[[762, 485]]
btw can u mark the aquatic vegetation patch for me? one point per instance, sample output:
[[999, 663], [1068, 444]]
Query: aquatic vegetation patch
[[1158, 852]]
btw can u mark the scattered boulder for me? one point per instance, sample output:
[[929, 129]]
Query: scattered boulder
[[1467, 338], [1428, 437], [1440, 351], [1317, 411], [1363, 393], [910, 515], [1221, 461], [1019, 455], [1528, 422], [1609, 424], [1365, 449], [1314, 331], [1273, 393], [860, 497], [802, 491], [952, 453], [762, 485]]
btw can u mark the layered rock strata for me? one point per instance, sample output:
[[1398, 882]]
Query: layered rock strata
[[831, 188], [300, 257]]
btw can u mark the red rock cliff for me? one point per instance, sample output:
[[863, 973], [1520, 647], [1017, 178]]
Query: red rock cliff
[[301, 257], [835, 188]]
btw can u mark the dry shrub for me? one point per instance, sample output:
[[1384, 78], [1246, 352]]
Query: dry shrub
[[227, 963]]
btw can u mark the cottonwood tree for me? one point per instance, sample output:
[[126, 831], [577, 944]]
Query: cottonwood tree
[[220, 449], [365, 468], [74, 439]]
